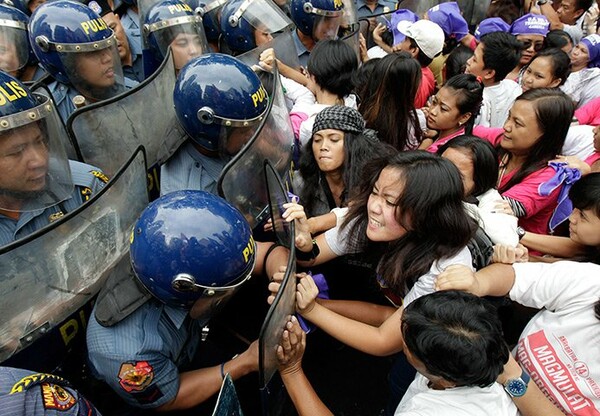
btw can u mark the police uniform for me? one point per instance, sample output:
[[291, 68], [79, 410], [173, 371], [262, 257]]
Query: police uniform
[[140, 357], [190, 169], [88, 180], [130, 21], [26, 393]]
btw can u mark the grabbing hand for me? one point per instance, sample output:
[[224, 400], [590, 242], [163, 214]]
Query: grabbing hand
[[266, 59], [291, 347], [458, 277], [306, 293], [508, 255], [574, 163], [295, 212], [275, 284]]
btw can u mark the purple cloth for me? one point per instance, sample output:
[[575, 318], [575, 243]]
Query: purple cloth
[[592, 43], [323, 294], [531, 24], [397, 18], [490, 25], [449, 18], [566, 177]]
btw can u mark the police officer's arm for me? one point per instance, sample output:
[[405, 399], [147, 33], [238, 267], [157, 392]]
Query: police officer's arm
[[197, 386], [289, 355]]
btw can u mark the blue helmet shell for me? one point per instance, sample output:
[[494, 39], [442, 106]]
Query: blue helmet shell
[[20, 99], [305, 12], [63, 22], [191, 233], [215, 91], [239, 38]]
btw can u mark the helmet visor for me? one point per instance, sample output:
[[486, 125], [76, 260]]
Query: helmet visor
[[14, 47], [34, 170], [95, 72], [186, 39], [326, 27], [264, 16]]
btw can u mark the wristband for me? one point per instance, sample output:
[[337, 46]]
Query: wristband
[[311, 255]]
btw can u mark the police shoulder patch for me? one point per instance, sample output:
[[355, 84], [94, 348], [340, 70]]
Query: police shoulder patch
[[56, 397], [135, 376], [100, 175]]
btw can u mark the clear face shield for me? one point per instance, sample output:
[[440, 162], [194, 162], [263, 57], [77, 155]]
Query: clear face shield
[[185, 35], [14, 47], [264, 16], [34, 170], [210, 10], [327, 26], [94, 68], [212, 299]]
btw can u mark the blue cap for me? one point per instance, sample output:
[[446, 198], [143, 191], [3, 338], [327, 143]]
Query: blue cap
[[399, 19], [490, 25]]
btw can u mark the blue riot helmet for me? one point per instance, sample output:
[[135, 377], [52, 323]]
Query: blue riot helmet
[[34, 170], [174, 23], [319, 19], [220, 102], [17, 4], [14, 43], [192, 249], [246, 24], [75, 45], [210, 10]]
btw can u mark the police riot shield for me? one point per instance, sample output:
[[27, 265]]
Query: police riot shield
[[282, 44], [228, 403], [241, 181], [350, 27], [54, 273], [285, 301], [106, 132]]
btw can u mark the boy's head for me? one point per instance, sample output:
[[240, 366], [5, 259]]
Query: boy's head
[[424, 41], [454, 339], [495, 56]]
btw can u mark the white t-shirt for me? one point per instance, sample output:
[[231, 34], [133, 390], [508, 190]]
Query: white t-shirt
[[420, 400], [307, 125], [497, 100], [560, 346], [337, 240], [500, 227], [583, 86], [579, 142]]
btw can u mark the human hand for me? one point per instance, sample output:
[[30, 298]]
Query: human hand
[[295, 212], [503, 207], [266, 59], [508, 255], [377, 32], [291, 347], [250, 356], [458, 277], [573, 162], [362, 45], [306, 293], [275, 284], [268, 225]]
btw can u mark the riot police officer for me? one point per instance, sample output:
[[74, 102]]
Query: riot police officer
[[79, 50], [38, 184], [190, 251], [315, 20], [172, 23], [219, 101]]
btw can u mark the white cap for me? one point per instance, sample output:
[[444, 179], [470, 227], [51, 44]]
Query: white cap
[[428, 35]]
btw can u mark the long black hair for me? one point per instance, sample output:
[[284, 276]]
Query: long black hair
[[554, 112], [429, 207]]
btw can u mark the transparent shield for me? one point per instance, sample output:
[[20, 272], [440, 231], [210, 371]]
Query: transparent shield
[[283, 45], [285, 301], [34, 170], [144, 116], [228, 402], [144, 7], [38, 292], [97, 75], [241, 181], [14, 48], [263, 15]]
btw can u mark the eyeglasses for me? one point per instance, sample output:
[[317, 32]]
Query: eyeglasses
[[536, 46]]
